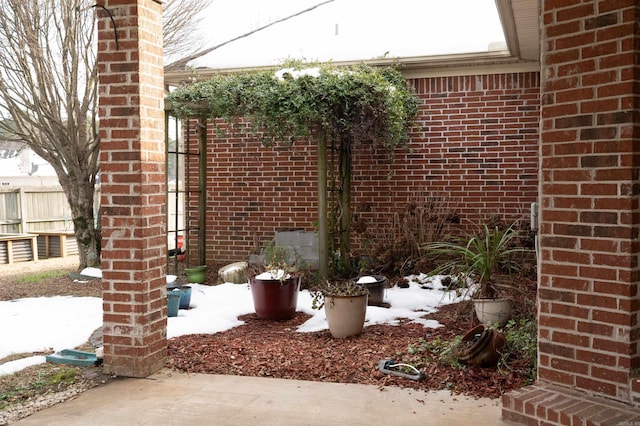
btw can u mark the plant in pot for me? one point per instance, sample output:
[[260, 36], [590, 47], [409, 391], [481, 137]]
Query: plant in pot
[[345, 305], [275, 283], [479, 259], [376, 284]]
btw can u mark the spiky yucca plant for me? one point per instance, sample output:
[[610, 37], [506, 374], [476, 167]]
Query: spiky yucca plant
[[480, 257]]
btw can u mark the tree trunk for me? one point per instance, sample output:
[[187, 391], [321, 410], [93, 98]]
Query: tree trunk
[[80, 192], [49, 90]]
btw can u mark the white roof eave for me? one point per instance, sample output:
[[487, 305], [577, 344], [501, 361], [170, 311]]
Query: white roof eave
[[411, 67]]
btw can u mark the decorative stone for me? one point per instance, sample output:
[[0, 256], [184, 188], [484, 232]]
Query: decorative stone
[[234, 273]]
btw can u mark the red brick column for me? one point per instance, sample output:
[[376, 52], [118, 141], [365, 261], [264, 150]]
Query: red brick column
[[589, 272], [133, 200]]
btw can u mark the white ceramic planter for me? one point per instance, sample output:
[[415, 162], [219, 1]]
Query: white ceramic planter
[[493, 311], [345, 314]]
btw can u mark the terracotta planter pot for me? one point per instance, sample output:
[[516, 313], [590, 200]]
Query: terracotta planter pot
[[275, 299], [345, 314], [480, 346]]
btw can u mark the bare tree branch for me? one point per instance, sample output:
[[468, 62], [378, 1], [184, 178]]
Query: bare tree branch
[[182, 63], [48, 92], [49, 89], [179, 18]]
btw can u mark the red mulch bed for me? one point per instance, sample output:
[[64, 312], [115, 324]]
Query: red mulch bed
[[274, 349]]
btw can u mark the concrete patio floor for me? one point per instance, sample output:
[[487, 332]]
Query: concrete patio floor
[[173, 398]]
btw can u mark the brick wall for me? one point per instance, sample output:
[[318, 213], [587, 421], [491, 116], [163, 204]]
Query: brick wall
[[133, 190], [589, 233], [588, 282], [476, 141]]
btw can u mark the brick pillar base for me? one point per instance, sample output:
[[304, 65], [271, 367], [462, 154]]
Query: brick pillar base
[[545, 404]]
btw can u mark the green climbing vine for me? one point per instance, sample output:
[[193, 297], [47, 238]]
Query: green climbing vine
[[320, 102], [366, 103]]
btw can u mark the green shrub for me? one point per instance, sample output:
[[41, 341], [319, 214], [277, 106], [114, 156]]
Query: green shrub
[[436, 350], [520, 351]]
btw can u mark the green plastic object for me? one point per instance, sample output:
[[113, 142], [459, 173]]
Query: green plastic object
[[73, 357], [197, 274]]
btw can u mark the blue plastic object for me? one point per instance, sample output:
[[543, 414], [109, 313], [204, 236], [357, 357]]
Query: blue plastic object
[[173, 302], [185, 297], [73, 357]]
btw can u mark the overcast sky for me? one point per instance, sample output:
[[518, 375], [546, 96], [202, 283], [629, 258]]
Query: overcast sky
[[346, 30]]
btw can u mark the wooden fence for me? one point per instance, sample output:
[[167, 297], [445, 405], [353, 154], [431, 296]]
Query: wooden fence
[[29, 210], [45, 211], [35, 222]]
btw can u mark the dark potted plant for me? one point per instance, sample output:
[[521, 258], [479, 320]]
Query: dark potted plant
[[376, 284], [275, 284], [478, 259], [345, 305]]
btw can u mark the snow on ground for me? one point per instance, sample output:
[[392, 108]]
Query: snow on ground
[[43, 324], [56, 323]]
